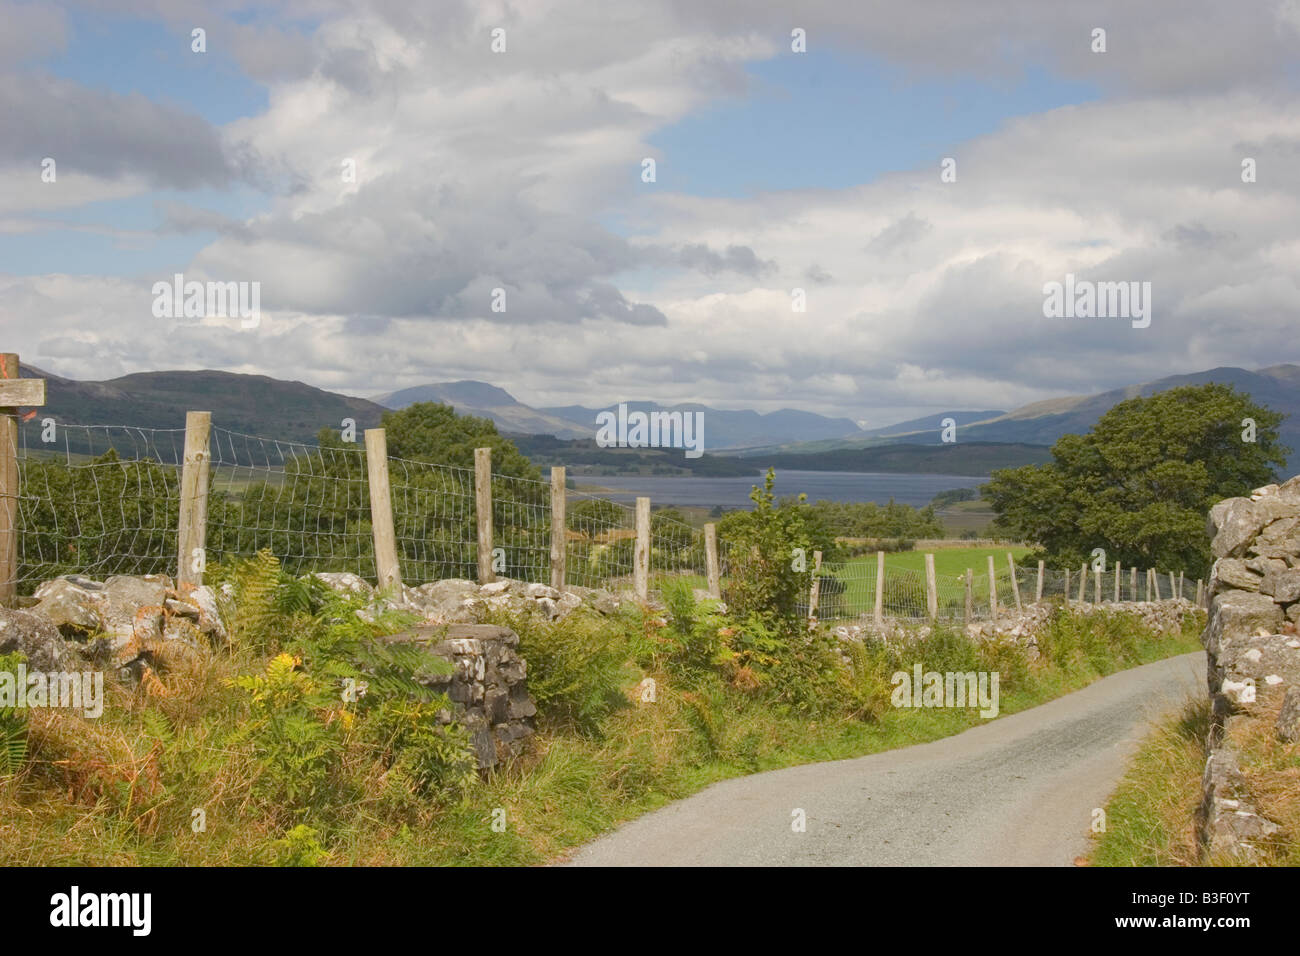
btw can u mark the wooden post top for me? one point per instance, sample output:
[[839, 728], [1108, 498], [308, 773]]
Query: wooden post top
[[15, 391]]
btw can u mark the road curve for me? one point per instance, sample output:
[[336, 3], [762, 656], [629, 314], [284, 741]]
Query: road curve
[[1016, 791]]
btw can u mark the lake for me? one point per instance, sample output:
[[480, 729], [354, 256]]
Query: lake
[[906, 489]]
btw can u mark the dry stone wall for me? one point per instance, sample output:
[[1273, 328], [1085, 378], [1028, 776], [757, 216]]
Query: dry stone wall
[[120, 623], [1023, 627], [1253, 655]]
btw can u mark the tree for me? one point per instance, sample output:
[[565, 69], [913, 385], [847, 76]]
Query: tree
[[770, 552], [432, 432], [1140, 483]]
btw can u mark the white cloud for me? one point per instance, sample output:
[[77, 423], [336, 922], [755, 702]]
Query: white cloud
[[478, 171]]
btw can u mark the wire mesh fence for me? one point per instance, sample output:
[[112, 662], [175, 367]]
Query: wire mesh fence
[[848, 589], [600, 539], [433, 520], [521, 528], [307, 504], [102, 500], [96, 500]]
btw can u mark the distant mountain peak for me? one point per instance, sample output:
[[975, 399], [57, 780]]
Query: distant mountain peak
[[465, 392]]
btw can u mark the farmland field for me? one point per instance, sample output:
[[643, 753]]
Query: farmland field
[[905, 581]]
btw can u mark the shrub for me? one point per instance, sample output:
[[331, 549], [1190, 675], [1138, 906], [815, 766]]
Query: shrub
[[576, 665], [764, 583], [13, 724], [297, 746], [299, 847], [693, 641]]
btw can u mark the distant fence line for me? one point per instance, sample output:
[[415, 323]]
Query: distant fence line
[[856, 589], [171, 500]]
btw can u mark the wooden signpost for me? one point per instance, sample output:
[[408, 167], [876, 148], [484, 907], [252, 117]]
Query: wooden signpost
[[14, 392]]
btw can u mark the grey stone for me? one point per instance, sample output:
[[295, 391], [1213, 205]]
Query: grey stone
[[486, 685], [496, 704], [451, 590], [1284, 531], [37, 638], [1233, 573], [1235, 522], [1227, 821], [71, 604], [1288, 719], [346, 582], [1262, 565], [210, 622], [126, 593], [1284, 586], [1236, 614]]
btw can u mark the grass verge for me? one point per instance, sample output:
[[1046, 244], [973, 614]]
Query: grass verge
[[247, 757]]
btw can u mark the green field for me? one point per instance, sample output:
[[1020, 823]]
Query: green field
[[904, 593], [950, 561]]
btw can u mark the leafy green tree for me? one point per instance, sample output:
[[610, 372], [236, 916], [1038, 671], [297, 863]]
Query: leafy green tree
[[764, 580], [432, 432], [1140, 483], [435, 518]]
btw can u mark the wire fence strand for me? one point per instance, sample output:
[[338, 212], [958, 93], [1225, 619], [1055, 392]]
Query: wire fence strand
[[104, 500]]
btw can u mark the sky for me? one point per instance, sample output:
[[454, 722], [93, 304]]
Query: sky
[[798, 245]]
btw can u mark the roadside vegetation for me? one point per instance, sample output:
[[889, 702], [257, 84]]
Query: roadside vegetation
[[1150, 819], [252, 755]]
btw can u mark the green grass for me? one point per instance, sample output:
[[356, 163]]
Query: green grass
[[111, 792], [1150, 817], [905, 580], [952, 562]]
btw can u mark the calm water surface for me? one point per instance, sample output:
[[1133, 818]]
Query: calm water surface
[[906, 489]]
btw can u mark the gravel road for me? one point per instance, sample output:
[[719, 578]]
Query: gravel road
[[1015, 791]]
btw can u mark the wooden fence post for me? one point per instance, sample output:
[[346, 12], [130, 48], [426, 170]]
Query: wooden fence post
[[931, 588], [483, 512], [1038, 591], [815, 590], [1117, 577], [880, 589], [1155, 584], [559, 528], [1067, 587], [711, 561], [1096, 584], [1180, 584], [993, 590], [1198, 592], [192, 526], [387, 569], [1083, 583], [1133, 583], [1015, 585], [14, 392], [970, 596], [641, 555]]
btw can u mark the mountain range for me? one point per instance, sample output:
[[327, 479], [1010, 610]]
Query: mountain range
[[724, 429], [295, 411]]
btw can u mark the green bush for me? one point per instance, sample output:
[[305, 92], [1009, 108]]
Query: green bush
[[692, 643], [13, 724], [577, 665]]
